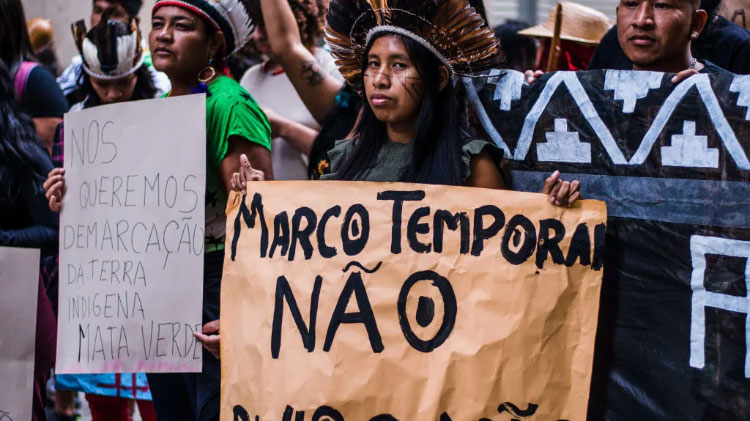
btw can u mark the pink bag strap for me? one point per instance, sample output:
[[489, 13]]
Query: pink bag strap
[[22, 77]]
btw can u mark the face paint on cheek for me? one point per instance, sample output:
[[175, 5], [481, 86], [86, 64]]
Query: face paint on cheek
[[374, 74], [414, 87]]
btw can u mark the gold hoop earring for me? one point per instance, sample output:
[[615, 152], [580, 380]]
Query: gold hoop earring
[[207, 74]]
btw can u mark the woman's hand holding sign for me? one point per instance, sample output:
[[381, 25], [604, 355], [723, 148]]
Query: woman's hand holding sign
[[247, 173], [54, 187], [210, 338], [561, 193]]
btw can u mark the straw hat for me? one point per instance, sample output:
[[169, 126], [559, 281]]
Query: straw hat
[[579, 23]]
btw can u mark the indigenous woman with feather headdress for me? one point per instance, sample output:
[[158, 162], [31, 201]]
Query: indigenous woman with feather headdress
[[405, 58], [189, 41]]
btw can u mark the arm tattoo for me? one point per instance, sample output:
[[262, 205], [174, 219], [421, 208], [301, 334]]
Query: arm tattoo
[[311, 72]]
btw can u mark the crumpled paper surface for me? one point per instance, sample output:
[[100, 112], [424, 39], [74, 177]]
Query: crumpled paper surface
[[521, 345], [19, 277]]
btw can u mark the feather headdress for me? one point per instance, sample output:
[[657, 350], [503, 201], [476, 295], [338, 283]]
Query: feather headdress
[[111, 50], [450, 29], [230, 17]]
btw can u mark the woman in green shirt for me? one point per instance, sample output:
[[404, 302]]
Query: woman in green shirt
[[189, 42]]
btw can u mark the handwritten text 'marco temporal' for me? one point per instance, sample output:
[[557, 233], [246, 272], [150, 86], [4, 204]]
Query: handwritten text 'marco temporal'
[[305, 232]]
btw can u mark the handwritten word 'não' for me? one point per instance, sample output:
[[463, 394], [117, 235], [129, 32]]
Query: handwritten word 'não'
[[364, 315]]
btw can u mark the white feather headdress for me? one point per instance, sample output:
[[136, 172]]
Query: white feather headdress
[[230, 17], [111, 50]]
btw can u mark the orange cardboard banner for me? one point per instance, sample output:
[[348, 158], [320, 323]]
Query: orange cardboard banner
[[369, 301]]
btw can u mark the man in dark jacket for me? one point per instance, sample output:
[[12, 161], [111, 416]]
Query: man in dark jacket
[[722, 43]]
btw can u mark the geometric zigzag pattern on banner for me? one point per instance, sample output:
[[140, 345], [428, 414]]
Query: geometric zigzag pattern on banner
[[629, 90], [672, 164]]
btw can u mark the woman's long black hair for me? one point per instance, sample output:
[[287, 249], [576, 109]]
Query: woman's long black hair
[[15, 46], [437, 143], [21, 153]]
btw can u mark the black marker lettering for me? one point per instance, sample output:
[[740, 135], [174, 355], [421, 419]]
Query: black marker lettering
[[450, 310], [353, 246], [244, 213], [480, 232], [280, 234], [550, 245], [354, 285], [415, 227], [398, 198], [325, 250], [580, 247], [518, 227], [444, 219], [284, 292], [303, 236]]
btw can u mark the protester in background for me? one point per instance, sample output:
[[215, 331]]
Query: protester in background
[[293, 128], [735, 11], [581, 30], [239, 62], [113, 72], [520, 51], [722, 43], [25, 219], [333, 104], [659, 39], [190, 40], [35, 86], [43, 43], [71, 81]]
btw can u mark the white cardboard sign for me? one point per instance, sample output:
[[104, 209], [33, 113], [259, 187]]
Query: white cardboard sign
[[132, 237], [19, 277]]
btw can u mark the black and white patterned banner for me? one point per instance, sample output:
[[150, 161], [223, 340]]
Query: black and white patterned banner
[[672, 164]]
